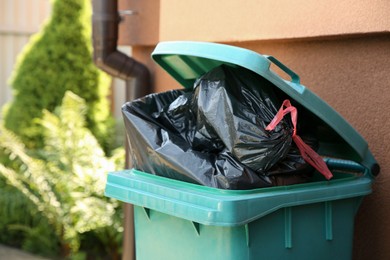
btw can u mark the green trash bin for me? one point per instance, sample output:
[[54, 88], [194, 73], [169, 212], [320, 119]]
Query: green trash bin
[[179, 220]]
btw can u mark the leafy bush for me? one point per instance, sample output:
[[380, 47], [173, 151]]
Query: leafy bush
[[57, 59], [22, 226], [65, 181]]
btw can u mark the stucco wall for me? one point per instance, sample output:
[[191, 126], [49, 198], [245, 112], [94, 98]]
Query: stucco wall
[[340, 49], [233, 20]]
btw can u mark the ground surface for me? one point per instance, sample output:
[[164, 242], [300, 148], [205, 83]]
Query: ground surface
[[9, 253]]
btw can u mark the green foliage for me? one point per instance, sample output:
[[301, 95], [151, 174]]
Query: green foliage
[[65, 181], [39, 238], [57, 59], [21, 225]]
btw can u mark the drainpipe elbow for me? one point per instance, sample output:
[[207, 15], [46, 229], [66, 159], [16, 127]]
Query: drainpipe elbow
[[105, 20]]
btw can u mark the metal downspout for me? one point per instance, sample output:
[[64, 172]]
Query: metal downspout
[[105, 20]]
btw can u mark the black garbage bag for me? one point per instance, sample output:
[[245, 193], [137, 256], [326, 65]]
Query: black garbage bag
[[215, 134], [236, 105]]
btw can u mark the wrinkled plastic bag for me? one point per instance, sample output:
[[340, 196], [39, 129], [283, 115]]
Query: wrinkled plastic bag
[[214, 134]]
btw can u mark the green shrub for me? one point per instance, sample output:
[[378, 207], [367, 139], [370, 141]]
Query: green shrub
[[57, 59], [22, 226], [65, 181]]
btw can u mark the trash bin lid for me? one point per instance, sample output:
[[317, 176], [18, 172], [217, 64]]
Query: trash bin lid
[[186, 61]]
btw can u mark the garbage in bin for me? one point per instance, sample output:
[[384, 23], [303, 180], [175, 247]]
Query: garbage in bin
[[216, 135], [314, 220]]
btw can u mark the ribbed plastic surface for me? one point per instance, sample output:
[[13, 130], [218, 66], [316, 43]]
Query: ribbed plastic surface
[[320, 231]]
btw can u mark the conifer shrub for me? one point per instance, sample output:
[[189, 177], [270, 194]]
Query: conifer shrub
[[57, 59]]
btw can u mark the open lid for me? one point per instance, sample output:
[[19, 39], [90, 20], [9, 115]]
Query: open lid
[[186, 61]]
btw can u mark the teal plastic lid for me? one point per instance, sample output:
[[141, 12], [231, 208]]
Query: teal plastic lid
[[186, 61]]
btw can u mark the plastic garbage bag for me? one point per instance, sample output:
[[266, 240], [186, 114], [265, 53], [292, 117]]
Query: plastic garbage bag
[[215, 134], [236, 105]]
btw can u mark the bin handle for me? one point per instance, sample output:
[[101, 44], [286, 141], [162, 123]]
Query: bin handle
[[341, 164], [292, 74]]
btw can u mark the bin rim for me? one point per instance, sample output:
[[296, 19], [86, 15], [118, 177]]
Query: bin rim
[[211, 206]]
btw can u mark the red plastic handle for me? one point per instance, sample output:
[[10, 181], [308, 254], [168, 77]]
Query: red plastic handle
[[308, 154]]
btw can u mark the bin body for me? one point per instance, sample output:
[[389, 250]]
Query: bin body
[[313, 231], [179, 220]]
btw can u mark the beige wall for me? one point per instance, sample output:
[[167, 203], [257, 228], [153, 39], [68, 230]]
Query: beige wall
[[233, 20], [250, 20], [340, 49], [141, 28], [18, 20]]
